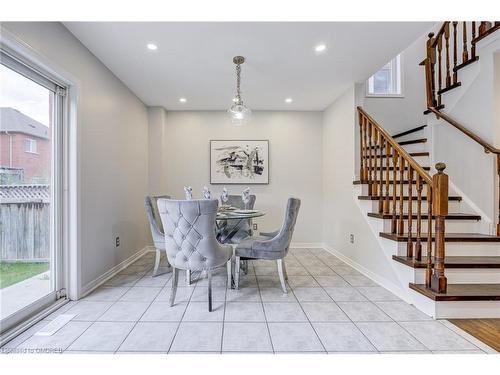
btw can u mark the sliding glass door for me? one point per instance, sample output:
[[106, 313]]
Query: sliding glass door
[[31, 109]]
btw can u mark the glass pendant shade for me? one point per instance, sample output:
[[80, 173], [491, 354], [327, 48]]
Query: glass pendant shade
[[240, 113]]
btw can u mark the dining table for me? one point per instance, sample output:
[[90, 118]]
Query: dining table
[[238, 215]]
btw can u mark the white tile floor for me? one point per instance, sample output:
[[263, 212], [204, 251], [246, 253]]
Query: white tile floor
[[330, 308]]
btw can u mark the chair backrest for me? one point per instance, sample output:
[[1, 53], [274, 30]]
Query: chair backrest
[[190, 233], [284, 237], [237, 201], [154, 218]]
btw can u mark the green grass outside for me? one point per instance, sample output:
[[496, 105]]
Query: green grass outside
[[12, 273]]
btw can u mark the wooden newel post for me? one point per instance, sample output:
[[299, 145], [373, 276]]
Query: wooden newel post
[[440, 211]]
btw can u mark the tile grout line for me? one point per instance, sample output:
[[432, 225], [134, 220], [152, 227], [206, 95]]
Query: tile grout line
[[138, 320], [262, 305], [228, 285], [393, 320], [348, 317], [180, 321], [92, 322], [307, 317]]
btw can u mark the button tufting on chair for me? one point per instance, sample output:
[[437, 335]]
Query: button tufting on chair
[[190, 238]]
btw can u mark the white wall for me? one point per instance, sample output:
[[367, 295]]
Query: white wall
[[473, 105], [403, 113], [295, 144], [113, 150], [157, 137], [341, 214]]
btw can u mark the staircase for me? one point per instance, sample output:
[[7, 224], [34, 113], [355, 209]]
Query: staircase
[[472, 259], [443, 254]]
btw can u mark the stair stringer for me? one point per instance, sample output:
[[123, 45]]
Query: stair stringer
[[389, 249]]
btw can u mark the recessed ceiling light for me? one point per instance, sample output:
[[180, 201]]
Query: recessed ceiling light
[[320, 48], [183, 100], [152, 46], [288, 100]]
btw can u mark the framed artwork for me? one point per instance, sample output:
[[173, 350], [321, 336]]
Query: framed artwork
[[239, 162]]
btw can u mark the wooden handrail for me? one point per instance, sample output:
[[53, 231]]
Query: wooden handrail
[[434, 72], [440, 32], [377, 151], [421, 171], [488, 148]]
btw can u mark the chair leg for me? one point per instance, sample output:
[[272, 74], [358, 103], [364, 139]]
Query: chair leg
[[244, 266], [175, 280], [157, 262], [188, 277], [281, 274], [209, 291], [237, 273], [284, 269], [229, 274]]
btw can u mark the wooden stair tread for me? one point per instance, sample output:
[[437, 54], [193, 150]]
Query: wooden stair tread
[[405, 198], [450, 87], [451, 216], [423, 153], [410, 131], [462, 292], [448, 237], [463, 65], [453, 262]]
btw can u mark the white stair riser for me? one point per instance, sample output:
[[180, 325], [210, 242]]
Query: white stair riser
[[453, 206], [416, 147], [406, 189], [455, 309], [467, 309], [391, 174], [464, 275], [454, 275], [457, 248], [415, 135], [452, 226], [421, 160]]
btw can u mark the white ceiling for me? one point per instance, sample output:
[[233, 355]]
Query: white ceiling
[[194, 60]]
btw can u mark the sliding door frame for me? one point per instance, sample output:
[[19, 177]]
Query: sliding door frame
[[65, 273]]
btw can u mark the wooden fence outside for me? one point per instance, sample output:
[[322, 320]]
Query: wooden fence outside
[[24, 224]]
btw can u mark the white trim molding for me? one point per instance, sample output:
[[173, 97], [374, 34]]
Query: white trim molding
[[382, 281], [97, 282], [307, 245]]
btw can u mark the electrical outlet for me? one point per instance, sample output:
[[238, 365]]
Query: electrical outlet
[[117, 241], [255, 227], [351, 238]]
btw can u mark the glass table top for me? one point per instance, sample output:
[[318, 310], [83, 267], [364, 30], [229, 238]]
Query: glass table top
[[228, 215]]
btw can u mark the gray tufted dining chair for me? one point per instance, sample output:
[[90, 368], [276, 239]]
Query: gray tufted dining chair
[[190, 240], [242, 229], [271, 246], [156, 227]]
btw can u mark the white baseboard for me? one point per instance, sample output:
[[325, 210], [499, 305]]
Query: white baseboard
[[382, 281], [97, 282], [307, 245]]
